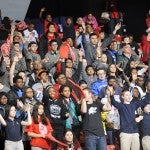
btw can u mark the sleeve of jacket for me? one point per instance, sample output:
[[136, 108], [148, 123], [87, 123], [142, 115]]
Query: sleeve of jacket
[[94, 89], [43, 46], [78, 108], [58, 39], [63, 68], [26, 54], [115, 103], [12, 98], [107, 41], [87, 50], [76, 76], [63, 111]]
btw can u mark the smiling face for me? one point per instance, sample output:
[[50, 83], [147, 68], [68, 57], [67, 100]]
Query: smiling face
[[12, 112], [147, 108], [69, 63], [112, 82], [126, 40], [29, 93], [90, 71], [101, 74], [127, 97], [69, 137], [112, 68], [113, 45]]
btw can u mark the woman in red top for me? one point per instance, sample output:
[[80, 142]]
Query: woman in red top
[[39, 128], [47, 19]]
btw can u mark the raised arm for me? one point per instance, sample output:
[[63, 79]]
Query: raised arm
[[41, 12], [2, 121], [12, 33], [78, 71], [29, 120], [83, 106], [12, 69], [107, 106], [113, 101], [108, 40]]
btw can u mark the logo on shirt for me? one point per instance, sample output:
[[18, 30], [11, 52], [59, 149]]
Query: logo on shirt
[[42, 129], [55, 111], [92, 110]]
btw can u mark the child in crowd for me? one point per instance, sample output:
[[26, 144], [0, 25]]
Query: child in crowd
[[2, 121]]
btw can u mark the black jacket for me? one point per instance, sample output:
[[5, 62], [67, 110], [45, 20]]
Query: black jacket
[[55, 110]]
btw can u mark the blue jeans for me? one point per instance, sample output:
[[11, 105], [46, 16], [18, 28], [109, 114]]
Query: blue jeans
[[110, 137], [93, 142]]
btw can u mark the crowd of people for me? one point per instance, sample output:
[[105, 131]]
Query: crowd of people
[[82, 85]]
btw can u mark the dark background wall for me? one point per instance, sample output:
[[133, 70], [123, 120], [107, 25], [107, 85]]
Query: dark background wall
[[135, 11]]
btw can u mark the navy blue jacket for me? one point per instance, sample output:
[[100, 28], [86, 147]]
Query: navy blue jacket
[[127, 114]]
